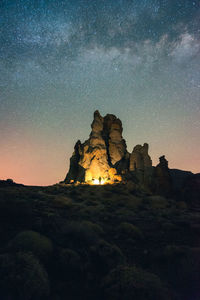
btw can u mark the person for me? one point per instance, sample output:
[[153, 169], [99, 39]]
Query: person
[[99, 179]]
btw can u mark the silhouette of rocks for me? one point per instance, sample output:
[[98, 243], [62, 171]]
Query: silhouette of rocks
[[139, 158], [179, 177], [191, 191], [163, 178], [141, 164]]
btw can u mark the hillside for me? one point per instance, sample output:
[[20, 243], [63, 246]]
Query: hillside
[[97, 242]]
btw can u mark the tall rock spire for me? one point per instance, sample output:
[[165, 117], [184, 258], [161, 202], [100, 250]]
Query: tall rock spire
[[95, 159]]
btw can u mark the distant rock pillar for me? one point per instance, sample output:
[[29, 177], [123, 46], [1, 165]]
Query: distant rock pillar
[[163, 178], [139, 158]]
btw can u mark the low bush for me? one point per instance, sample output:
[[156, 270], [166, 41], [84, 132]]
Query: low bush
[[130, 283], [128, 230], [158, 202], [105, 256], [80, 236], [22, 277], [31, 241], [182, 265], [68, 262], [94, 227]]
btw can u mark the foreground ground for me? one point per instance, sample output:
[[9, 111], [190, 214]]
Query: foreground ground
[[97, 242]]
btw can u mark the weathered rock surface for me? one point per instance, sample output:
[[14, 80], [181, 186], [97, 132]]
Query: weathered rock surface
[[139, 158], [141, 165], [112, 133], [96, 158], [104, 158]]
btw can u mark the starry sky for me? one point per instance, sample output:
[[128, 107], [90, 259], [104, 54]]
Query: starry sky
[[62, 60]]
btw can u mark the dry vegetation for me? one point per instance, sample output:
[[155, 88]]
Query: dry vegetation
[[97, 242]]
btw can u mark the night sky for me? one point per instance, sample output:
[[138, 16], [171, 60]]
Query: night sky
[[62, 60]]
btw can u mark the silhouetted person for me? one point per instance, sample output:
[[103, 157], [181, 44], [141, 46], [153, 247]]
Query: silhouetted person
[[99, 179]]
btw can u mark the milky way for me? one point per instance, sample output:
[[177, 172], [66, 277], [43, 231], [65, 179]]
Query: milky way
[[61, 60]]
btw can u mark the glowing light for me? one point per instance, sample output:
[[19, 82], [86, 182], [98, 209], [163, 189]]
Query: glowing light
[[97, 181]]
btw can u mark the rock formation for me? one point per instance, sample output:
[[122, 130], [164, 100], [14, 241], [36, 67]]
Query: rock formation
[[139, 158], [104, 158], [141, 164], [163, 178], [95, 159], [191, 191]]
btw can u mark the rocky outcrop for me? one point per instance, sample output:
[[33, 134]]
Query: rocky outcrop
[[104, 158], [191, 191], [163, 179], [96, 158], [179, 178], [76, 171], [139, 158], [112, 134], [141, 164]]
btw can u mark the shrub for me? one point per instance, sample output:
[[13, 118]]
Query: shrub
[[128, 230], [181, 205], [79, 236], [62, 201], [22, 277], [69, 274], [105, 256], [129, 283], [15, 211], [10, 181], [94, 227], [158, 202], [68, 262], [182, 265], [31, 241]]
